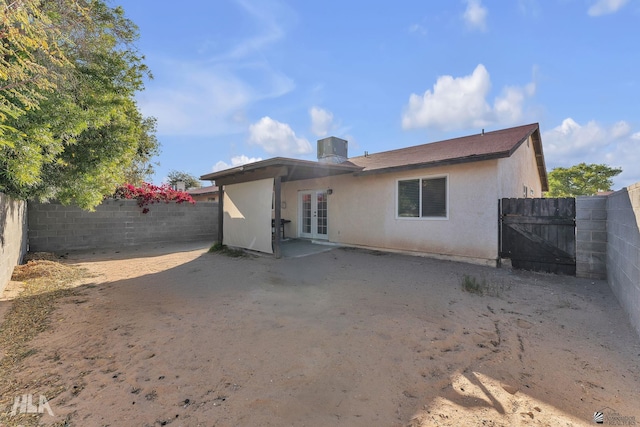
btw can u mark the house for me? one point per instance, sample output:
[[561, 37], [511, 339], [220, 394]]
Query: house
[[204, 194], [439, 199]]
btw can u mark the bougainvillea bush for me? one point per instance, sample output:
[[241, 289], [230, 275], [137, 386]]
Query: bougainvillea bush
[[148, 194]]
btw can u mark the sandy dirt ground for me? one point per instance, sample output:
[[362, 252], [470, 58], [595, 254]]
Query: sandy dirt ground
[[178, 336]]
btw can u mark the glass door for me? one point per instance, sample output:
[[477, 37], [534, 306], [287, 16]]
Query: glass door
[[321, 231], [314, 214]]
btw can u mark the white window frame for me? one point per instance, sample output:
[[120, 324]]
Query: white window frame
[[423, 218]]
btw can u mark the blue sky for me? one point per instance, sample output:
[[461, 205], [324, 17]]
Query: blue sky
[[242, 80]]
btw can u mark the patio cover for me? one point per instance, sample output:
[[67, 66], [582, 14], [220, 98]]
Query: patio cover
[[246, 191], [247, 215]]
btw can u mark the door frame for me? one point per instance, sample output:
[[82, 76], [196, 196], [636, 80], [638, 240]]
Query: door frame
[[314, 218]]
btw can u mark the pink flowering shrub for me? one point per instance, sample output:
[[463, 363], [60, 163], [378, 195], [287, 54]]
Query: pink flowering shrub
[[148, 194]]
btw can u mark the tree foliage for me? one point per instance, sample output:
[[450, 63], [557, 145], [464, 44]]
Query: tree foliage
[[31, 58], [69, 124], [189, 180], [581, 180]]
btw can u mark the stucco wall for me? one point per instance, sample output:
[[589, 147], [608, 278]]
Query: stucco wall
[[13, 236], [115, 223], [362, 211], [517, 171], [623, 249], [247, 215]]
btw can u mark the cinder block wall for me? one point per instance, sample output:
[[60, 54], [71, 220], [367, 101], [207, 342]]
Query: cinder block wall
[[623, 249], [116, 223], [591, 237], [13, 236]]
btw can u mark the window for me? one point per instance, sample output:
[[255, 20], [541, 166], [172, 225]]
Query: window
[[422, 198]]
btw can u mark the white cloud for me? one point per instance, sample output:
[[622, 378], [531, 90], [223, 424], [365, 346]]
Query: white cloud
[[570, 140], [198, 102], [454, 102], [508, 106], [621, 129], [418, 29], [460, 103], [475, 15], [277, 138], [571, 143], [271, 32], [210, 96], [201, 101], [604, 7], [321, 121], [235, 161]]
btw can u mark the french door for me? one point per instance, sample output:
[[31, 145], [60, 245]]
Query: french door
[[313, 214]]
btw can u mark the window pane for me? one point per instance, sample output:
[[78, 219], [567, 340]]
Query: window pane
[[322, 213], [409, 198], [434, 197], [306, 213]]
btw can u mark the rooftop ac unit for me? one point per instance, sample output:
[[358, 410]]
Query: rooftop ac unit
[[332, 150]]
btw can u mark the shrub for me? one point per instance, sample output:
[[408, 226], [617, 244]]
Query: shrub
[[148, 194], [472, 285], [225, 250], [481, 287]]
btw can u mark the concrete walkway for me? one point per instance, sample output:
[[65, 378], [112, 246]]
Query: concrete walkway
[[297, 248]]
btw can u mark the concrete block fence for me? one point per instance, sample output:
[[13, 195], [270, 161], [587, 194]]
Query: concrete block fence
[[591, 237], [116, 223], [623, 249], [607, 227]]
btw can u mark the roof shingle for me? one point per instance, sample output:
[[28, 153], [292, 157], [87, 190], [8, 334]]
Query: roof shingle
[[483, 146]]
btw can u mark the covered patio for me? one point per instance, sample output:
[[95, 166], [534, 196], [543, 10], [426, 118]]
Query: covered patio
[[299, 248], [250, 199]]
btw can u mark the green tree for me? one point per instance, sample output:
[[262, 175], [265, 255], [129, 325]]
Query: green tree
[[31, 55], [581, 180], [78, 142], [141, 167], [189, 180]]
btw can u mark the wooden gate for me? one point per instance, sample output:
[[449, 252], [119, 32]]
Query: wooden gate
[[539, 234]]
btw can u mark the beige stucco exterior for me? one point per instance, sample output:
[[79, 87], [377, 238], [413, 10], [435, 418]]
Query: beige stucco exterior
[[362, 212], [362, 209], [519, 170], [247, 215]]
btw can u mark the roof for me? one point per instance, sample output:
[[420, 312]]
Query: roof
[[477, 147], [209, 189], [483, 146], [287, 169]]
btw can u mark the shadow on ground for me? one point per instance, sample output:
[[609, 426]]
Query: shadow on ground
[[343, 337]]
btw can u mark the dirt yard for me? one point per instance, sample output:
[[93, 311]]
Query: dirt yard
[[178, 336]]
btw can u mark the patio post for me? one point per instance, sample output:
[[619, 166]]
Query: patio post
[[220, 212], [277, 216]]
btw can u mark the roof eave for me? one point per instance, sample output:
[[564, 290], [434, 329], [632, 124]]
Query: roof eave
[[540, 163], [281, 166], [446, 162], [245, 168]]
